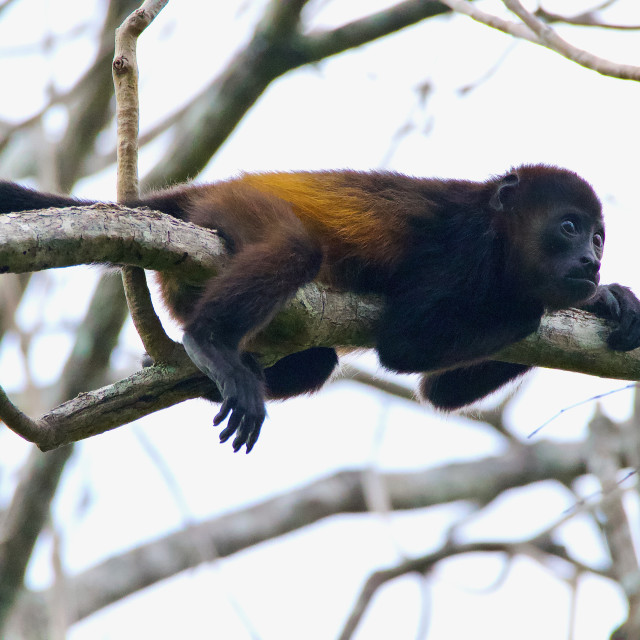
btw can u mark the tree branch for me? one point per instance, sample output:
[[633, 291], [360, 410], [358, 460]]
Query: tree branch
[[536, 31], [51, 238], [317, 316], [587, 19], [125, 80], [604, 464]]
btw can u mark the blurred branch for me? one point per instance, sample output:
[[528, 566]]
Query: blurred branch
[[278, 45], [6, 4], [604, 463], [478, 481], [89, 108], [28, 511], [587, 19], [602, 457], [425, 564], [354, 373], [95, 340]]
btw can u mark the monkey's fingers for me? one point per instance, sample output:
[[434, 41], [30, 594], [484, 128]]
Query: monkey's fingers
[[249, 431], [247, 415], [232, 426], [253, 437], [626, 336], [227, 406]]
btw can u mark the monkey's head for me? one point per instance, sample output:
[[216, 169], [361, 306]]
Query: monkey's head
[[555, 233]]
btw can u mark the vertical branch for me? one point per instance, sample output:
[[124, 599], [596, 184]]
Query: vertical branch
[[125, 78], [602, 461]]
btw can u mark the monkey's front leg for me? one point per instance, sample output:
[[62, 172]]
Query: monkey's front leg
[[421, 336], [617, 303], [236, 304], [242, 391]]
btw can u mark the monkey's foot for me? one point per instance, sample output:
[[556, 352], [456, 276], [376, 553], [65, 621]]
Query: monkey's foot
[[241, 390]]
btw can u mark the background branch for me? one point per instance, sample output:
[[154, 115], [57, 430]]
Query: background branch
[[478, 481]]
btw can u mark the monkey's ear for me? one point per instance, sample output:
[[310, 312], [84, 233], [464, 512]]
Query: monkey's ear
[[503, 191]]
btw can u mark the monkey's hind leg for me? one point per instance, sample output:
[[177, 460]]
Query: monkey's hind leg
[[457, 388], [301, 372]]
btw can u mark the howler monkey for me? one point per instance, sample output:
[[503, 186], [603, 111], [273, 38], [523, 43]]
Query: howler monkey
[[464, 268]]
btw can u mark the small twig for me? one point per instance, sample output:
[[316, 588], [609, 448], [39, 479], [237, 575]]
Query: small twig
[[154, 338], [125, 77], [125, 80], [579, 404], [537, 32], [550, 39], [17, 421], [587, 19]]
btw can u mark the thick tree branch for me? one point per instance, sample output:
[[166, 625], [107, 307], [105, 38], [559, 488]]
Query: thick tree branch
[[317, 316], [51, 238]]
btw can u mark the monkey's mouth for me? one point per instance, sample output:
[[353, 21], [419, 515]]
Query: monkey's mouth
[[582, 287], [583, 277]]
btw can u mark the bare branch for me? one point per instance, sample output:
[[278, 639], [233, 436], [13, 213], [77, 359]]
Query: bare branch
[[125, 80], [28, 511], [318, 316], [154, 338], [51, 238], [588, 19], [550, 39], [421, 565], [604, 438], [536, 31]]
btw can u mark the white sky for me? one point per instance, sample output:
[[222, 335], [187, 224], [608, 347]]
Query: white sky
[[342, 113]]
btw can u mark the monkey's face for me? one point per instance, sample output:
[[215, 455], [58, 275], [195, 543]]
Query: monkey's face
[[568, 249], [555, 231]]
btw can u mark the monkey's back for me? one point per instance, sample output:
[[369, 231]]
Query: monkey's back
[[353, 214]]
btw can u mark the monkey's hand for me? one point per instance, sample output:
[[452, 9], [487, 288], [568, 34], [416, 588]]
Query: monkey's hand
[[241, 389], [618, 303]]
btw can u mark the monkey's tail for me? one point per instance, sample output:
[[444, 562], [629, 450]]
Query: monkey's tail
[[15, 197]]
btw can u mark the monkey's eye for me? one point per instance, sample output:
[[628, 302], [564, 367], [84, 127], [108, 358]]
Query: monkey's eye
[[598, 240], [569, 227]]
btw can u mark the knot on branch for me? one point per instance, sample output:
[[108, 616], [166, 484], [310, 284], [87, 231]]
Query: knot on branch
[[121, 64]]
